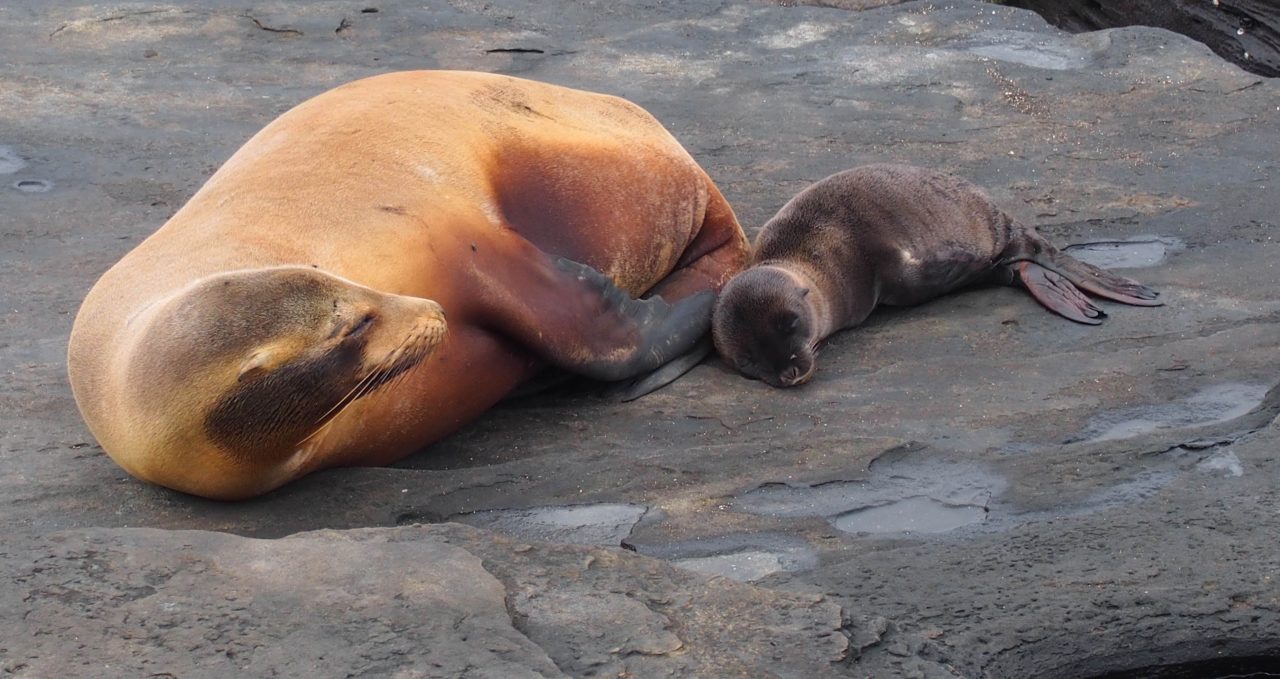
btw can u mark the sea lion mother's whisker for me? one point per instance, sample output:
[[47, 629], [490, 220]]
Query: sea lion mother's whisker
[[361, 388]]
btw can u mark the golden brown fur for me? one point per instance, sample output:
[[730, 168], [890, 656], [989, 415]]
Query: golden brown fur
[[366, 202]]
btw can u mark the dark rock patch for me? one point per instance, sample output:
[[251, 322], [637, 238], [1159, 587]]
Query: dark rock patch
[[1246, 32]]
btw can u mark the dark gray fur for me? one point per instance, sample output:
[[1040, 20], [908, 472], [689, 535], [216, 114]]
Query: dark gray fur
[[888, 234]]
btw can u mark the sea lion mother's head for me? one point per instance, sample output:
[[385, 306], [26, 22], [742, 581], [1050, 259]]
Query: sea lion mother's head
[[260, 359]]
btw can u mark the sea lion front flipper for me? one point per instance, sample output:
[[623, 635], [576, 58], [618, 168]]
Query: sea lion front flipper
[[668, 373], [574, 317], [663, 331], [1056, 293]]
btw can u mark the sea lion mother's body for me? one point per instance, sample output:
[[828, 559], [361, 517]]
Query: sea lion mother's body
[[462, 188]]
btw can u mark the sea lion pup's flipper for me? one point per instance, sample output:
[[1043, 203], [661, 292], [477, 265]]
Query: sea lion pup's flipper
[[1100, 282], [1055, 292], [1027, 244], [1056, 279]]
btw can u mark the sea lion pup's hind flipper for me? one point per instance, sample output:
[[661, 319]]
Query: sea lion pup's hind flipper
[[1100, 282], [1027, 244], [1055, 292]]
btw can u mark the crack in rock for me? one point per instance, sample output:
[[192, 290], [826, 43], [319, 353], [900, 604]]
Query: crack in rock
[[271, 29], [114, 17]]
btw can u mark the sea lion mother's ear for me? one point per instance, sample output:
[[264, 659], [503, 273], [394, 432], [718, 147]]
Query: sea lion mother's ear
[[254, 366]]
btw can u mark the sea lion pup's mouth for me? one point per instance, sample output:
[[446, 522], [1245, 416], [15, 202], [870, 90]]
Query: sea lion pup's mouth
[[794, 377], [800, 369]]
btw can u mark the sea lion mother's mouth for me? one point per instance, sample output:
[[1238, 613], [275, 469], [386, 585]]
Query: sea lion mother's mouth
[[415, 348], [411, 352]]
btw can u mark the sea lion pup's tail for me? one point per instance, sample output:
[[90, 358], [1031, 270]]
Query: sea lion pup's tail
[[1056, 279]]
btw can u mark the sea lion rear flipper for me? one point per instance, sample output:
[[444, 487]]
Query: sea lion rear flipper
[[1056, 293], [1029, 245], [1101, 282]]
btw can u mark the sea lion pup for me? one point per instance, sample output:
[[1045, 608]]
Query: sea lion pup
[[292, 315], [887, 234]]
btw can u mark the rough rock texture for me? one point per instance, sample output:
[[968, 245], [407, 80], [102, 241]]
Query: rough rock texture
[[986, 490], [1245, 31], [459, 603]]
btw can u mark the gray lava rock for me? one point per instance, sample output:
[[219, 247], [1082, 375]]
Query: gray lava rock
[[985, 490], [438, 601], [1245, 31]]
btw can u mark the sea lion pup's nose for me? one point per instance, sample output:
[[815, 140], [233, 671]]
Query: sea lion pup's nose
[[793, 377]]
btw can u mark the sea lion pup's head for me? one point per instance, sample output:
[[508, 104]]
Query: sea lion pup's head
[[255, 362], [763, 325]]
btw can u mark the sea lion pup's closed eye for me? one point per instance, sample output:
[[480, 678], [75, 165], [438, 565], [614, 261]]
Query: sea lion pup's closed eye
[[887, 234]]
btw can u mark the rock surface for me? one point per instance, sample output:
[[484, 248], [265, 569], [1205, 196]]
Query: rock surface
[[144, 602], [968, 488], [1247, 32]]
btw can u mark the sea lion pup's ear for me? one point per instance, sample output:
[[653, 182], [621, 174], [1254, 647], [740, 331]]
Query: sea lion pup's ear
[[804, 292]]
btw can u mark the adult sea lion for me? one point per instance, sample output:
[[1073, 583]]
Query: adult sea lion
[[292, 315], [887, 234]]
